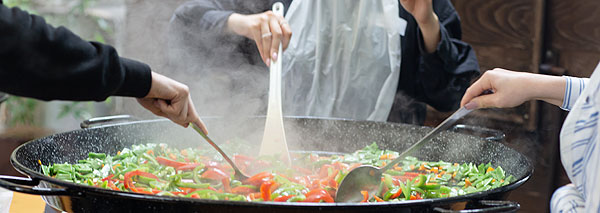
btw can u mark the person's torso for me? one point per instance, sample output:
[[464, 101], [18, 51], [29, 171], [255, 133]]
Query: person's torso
[[343, 60], [579, 142]]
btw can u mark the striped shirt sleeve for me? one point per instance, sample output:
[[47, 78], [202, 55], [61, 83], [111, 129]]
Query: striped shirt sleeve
[[573, 88]]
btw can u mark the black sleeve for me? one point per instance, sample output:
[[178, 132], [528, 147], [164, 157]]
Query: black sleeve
[[40, 61], [198, 35], [445, 74], [211, 15]]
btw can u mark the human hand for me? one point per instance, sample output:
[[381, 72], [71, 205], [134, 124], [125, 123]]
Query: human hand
[[171, 99], [511, 89], [266, 29]]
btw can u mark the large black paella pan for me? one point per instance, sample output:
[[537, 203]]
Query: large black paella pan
[[303, 134]]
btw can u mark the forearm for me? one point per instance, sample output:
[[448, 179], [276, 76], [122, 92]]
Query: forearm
[[546, 88], [430, 30], [40, 61]]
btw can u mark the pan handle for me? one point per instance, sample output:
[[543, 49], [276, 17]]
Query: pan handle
[[89, 123], [27, 186], [492, 206], [488, 134]]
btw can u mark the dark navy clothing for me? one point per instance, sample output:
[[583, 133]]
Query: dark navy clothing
[[438, 79], [40, 61]]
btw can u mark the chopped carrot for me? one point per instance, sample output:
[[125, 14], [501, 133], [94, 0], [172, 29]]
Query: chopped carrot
[[383, 163], [501, 181], [441, 167], [467, 182], [456, 164], [365, 196], [454, 174], [412, 167], [489, 169], [412, 197], [119, 152], [442, 172], [422, 167], [493, 180], [184, 152], [172, 156], [387, 157], [378, 199], [150, 152], [397, 168], [40, 162], [434, 170]]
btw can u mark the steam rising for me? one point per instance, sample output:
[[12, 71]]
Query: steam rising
[[229, 83]]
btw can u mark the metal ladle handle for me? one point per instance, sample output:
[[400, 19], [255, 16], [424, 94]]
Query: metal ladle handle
[[446, 124], [212, 143]]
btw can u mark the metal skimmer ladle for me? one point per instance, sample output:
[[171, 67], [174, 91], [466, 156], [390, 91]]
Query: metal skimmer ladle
[[368, 178], [239, 175]]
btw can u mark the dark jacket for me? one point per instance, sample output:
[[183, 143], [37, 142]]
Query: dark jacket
[[43, 62], [438, 79]]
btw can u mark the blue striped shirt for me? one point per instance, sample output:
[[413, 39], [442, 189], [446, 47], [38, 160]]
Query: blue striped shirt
[[580, 147]]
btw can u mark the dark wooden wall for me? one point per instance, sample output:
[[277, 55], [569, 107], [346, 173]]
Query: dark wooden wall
[[574, 35]]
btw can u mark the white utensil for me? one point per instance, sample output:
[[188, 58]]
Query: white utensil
[[274, 142]]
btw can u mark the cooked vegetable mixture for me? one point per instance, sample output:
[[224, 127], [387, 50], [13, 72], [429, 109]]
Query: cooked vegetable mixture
[[162, 170]]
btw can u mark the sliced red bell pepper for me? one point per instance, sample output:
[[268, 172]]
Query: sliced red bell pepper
[[129, 175], [266, 188], [397, 194], [242, 190], [283, 198], [318, 195], [169, 162], [215, 174], [259, 178], [226, 185], [113, 186], [108, 177]]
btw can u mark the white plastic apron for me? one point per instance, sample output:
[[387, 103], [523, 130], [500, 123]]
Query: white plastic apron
[[343, 59]]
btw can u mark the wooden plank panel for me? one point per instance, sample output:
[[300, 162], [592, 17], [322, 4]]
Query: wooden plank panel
[[498, 22], [575, 25], [505, 34], [579, 63], [492, 56]]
